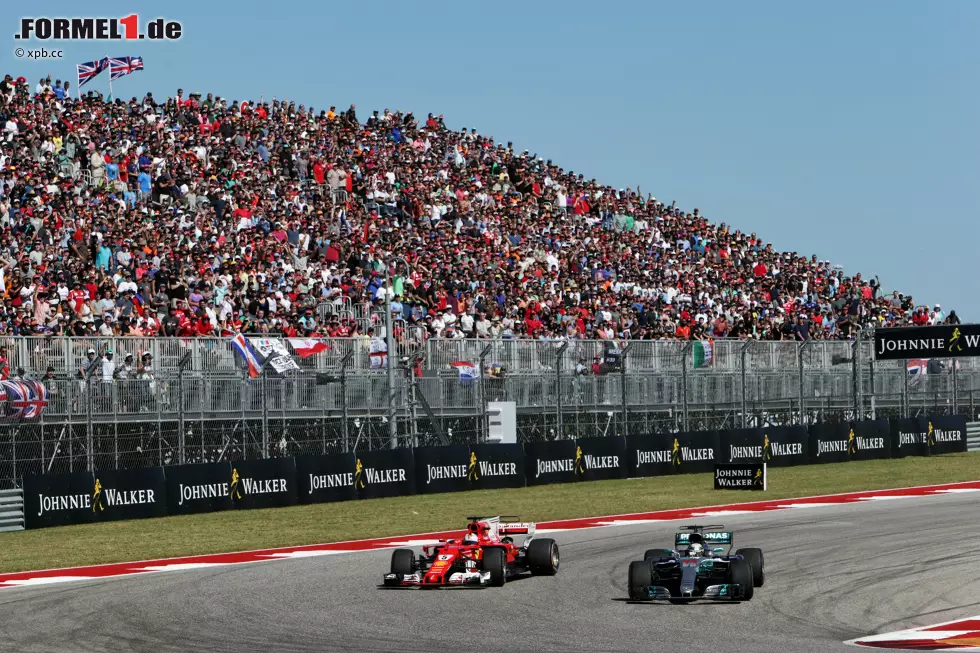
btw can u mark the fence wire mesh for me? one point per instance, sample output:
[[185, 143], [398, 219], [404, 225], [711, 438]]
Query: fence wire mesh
[[211, 411]]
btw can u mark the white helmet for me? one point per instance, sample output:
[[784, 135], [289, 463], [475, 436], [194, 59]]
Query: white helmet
[[471, 538], [696, 549]]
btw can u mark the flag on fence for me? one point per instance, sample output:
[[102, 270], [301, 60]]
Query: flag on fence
[[90, 70], [27, 398], [306, 347], [467, 371], [916, 368], [378, 353], [274, 351], [120, 66], [704, 354], [244, 349]]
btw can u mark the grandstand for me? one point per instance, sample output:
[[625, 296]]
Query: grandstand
[[166, 226], [203, 216]]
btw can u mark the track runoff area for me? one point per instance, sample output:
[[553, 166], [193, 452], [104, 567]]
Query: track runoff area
[[767, 523]]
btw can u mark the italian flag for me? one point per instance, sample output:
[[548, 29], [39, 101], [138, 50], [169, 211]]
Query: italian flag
[[703, 353]]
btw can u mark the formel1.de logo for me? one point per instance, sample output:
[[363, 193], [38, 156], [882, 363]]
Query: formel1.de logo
[[98, 29]]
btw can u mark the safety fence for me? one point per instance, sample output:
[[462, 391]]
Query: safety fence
[[515, 357], [196, 403]]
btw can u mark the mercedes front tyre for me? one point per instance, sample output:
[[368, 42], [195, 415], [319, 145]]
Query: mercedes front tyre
[[740, 573], [755, 558], [640, 580]]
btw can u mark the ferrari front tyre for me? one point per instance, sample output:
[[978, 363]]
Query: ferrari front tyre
[[495, 561], [542, 557], [640, 580], [740, 573], [755, 558], [403, 562], [657, 554]]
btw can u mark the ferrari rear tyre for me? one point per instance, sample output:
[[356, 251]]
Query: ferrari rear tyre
[[740, 573], [640, 579], [755, 558], [495, 561], [403, 561], [657, 554], [542, 557]]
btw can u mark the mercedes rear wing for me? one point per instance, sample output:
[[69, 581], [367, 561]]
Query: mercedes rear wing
[[708, 538]]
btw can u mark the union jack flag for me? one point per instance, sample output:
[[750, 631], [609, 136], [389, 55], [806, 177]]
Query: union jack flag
[[120, 66], [91, 69], [27, 398]]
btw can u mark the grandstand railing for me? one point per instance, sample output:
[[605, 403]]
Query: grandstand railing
[[211, 409], [517, 356]]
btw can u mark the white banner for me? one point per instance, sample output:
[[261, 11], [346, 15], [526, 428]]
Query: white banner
[[276, 352]]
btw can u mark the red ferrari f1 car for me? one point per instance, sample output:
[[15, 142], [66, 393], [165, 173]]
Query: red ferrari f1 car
[[485, 556]]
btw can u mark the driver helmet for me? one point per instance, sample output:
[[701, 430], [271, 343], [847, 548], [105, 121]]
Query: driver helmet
[[471, 538], [696, 549]]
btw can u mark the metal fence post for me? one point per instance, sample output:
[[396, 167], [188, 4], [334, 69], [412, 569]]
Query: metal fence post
[[622, 382], [745, 408], [871, 383], [560, 404], [799, 358], [265, 416], [89, 436], [856, 374], [13, 452], [956, 402], [343, 399], [687, 348], [905, 389], [390, 346], [180, 408], [483, 430], [114, 399]]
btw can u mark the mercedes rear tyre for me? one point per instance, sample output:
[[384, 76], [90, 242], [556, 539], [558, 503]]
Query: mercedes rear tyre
[[542, 557], [495, 561], [654, 555], [755, 558], [403, 562], [740, 573], [640, 580]]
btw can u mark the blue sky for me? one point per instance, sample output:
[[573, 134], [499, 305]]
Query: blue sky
[[848, 130]]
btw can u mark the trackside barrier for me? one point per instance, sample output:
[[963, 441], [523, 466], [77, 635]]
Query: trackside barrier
[[973, 436], [107, 495], [11, 510]]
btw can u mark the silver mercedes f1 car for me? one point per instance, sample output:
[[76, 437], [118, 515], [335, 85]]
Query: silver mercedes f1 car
[[699, 567]]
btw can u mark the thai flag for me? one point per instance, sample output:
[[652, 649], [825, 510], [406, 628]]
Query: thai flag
[[306, 347], [244, 349], [916, 368], [468, 372]]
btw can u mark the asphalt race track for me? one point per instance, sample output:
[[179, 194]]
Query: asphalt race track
[[832, 574]]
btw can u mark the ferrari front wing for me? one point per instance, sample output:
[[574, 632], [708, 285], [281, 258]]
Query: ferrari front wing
[[456, 579]]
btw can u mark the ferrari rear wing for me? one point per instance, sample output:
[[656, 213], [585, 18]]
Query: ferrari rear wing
[[513, 528], [508, 525]]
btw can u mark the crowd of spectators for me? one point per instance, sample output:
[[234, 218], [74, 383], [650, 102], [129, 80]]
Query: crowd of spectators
[[203, 216]]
